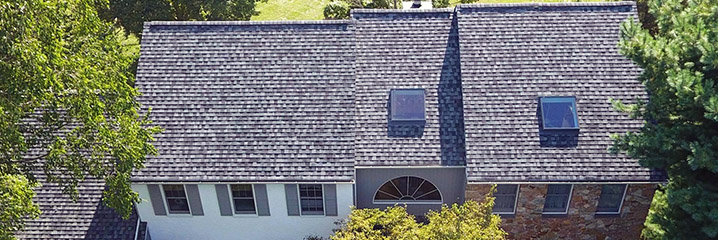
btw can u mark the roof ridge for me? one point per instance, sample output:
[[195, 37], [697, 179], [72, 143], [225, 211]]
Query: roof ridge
[[547, 4], [379, 10], [220, 23]]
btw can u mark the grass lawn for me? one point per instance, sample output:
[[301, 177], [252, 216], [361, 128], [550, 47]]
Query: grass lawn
[[291, 10], [313, 9]]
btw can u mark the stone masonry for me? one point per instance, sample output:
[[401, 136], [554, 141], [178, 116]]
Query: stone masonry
[[581, 221]]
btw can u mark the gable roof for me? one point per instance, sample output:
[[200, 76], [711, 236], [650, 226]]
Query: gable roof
[[88, 218], [408, 49], [512, 54], [308, 100], [249, 101]]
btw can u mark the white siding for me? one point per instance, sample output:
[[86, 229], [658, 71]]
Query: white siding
[[214, 226]]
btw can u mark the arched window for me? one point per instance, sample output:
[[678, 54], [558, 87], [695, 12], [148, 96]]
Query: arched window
[[407, 189]]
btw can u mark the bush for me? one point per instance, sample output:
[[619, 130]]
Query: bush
[[470, 220], [336, 10], [439, 3]]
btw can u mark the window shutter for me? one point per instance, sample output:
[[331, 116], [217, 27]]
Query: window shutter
[[330, 199], [225, 209], [195, 202], [290, 191], [158, 204], [260, 195]]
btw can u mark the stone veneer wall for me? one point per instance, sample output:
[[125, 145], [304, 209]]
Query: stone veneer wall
[[581, 221]]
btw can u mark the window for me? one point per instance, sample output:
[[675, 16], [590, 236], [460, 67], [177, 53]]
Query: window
[[559, 113], [506, 196], [176, 199], [611, 198], [243, 199], [558, 197], [407, 106], [407, 189], [310, 199]]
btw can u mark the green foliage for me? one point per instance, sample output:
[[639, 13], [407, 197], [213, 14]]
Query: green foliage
[[336, 10], [16, 194], [131, 14], [439, 3], [64, 94], [469, 1], [680, 62], [470, 220]]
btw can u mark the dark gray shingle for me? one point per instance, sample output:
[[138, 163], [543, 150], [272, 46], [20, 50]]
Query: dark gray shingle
[[511, 54], [87, 218], [249, 101], [408, 49]]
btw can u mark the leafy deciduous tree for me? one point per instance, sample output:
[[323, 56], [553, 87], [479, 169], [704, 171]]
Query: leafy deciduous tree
[[66, 110], [339, 9], [680, 62]]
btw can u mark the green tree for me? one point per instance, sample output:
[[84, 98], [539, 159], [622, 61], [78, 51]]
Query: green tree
[[131, 14], [336, 10], [67, 110], [439, 3], [470, 220], [680, 63], [340, 9]]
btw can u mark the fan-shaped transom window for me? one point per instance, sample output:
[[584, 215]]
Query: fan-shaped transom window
[[408, 189]]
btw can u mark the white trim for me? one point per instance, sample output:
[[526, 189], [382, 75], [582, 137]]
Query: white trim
[[516, 200], [573, 183], [231, 202], [167, 204], [620, 206], [382, 202], [407, 166], [137, 228], [568, 204], [299, 199]]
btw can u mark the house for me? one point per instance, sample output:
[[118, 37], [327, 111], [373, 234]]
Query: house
[[274, 129]]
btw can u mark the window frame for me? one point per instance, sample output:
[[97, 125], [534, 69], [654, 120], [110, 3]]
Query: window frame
[[299, 199], [573, 101], [415, 202], [568, 202], [167, 203], [392, 98], [231, 199], [516, 200], [620, 205]]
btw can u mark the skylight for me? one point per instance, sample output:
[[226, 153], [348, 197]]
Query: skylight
[[407, 106], [559, 112]]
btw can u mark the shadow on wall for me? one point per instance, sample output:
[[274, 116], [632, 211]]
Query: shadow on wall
[[451, 107]]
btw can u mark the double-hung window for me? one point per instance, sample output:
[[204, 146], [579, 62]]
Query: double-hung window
[[611, 199], [506, 195], [311, 199], [243, 199], [176, 198], [558, 196]]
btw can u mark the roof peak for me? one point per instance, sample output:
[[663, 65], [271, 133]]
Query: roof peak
[[230, 23]]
